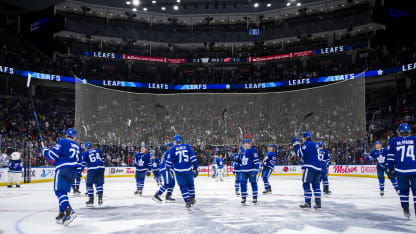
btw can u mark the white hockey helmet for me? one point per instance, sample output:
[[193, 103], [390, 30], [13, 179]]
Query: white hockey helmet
[[15, 156]]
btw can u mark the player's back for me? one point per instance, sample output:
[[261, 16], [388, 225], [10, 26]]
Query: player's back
[[310, 155], [323, 155], [220, 163], [271, 159], [93, 159], [403, 151], [66, 153], [182, 157]]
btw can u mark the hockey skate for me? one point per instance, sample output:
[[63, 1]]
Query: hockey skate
[[100, 199], [317, 203], [157, 198], [255, 201], [9, 186], [237, 193], [138, 192], [306, 205], [77, 192], [243, 201], [406, 211], [59, 218], [327, 192], [90, 202], [267, 191], [69, 216], [17, 185], [169, 198], [188, 204], [381, 193]]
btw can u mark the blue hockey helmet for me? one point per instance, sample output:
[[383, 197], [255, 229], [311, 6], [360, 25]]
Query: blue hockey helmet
[[271, 145], [70, 132], [378, 142], [246, 141], [320, 143], [404, 127], [177, 138], [170, 144], [87, 145], [308, 135], [241, 148]]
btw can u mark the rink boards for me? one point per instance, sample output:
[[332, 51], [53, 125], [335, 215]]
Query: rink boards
[[42, 174]]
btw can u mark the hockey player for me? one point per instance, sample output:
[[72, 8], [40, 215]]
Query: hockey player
[[156, 168], [250, 164], [143, 165], [80, 169], [168, 179], [15, 170], [401, 160], [66, 156], [182, 159], [220, 170], [268, 166], [380, 155], [237, 169], [94, 161], [215, 166], [325, 162], [308, 153]]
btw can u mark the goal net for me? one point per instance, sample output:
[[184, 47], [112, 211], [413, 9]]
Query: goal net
[[112, 117]]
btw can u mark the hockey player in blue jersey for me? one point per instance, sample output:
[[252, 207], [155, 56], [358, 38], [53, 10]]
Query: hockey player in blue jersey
[[325, 162], [156, 168], [182, 159], [401, 159], [66, 156], [168, 179], [268, 164], [15, 170], [380, 155], [215, 166], [143, 165], [75, 186], [220, 168], [236, 170], [94, 162], [308, 154], [249, 167]]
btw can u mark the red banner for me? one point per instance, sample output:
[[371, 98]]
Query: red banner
[[302, 53], [143, 58], [175, 60], [270, 57]]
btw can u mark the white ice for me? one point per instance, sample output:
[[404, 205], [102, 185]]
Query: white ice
[[354, 207]]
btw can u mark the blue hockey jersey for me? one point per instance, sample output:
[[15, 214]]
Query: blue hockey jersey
[[236, 164], [220, 163], [93, 159], [269, 159], [181, 158], [142, 162], [65, 153], [162, 165], [156, 164], [249, 160], [379, 155], [15, 166], [401, 155], [324, 157], [309, 152]]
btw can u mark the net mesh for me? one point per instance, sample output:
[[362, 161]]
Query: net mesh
[[113, 117]]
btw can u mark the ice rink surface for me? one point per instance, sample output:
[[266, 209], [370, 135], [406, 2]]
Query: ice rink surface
[[354, 207]]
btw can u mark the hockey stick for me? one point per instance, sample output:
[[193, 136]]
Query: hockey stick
[[303, 121], [226, 129], [29, 77], [241, 134]]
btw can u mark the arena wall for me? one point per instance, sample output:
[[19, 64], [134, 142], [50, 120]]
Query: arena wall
[[46, 174]]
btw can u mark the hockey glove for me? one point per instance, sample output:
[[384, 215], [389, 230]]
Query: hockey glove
[[301, 160], [195, 171], [44, 150], [294, 140]]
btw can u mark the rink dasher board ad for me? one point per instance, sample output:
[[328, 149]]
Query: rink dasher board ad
[[46, 174]]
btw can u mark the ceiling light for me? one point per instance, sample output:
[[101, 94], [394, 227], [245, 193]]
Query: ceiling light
[[256, 5], [163, 8], [145, 9], [288, 4], [178, 1], [136, 2], [175, 7], [298, 4], [269, 4], [128, 2], [154, 2], [134, 9]]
